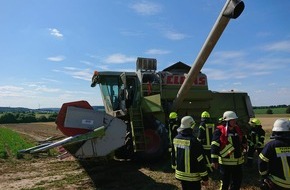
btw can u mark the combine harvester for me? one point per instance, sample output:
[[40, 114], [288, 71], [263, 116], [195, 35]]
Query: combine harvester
[[137, 104]]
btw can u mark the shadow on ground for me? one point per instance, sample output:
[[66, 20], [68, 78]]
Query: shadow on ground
[[122, 175]]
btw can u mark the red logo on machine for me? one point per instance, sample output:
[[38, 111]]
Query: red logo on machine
[[179, 79]]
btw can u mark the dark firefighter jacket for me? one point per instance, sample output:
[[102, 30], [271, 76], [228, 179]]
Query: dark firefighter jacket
[[274, 162], [256, 137], [173, 125], [190, 163], [206, 129], [227, 146]]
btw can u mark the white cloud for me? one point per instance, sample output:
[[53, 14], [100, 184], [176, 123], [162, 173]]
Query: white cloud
[[43, 88], [221, 56], [83, 74], [157, 52], [283, 46], [55, 32], [132, 33], [87, 63], [146, 8], [119, 58], [56, 58], [175, 35], [10, 91]]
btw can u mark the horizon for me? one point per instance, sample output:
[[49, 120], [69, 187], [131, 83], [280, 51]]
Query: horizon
[[50, 49]]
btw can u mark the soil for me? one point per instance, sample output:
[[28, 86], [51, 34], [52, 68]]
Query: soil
[[46, 171]]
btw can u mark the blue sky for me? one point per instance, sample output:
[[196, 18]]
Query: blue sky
[[49, 49]]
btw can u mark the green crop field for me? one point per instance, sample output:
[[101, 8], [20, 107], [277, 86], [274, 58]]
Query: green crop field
[[274, 110], [11, 142]]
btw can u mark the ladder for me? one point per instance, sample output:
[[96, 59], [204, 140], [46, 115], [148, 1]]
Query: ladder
[[137, 127]]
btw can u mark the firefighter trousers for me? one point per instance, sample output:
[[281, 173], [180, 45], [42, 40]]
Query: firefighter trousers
[[231, 176], [190, 185]]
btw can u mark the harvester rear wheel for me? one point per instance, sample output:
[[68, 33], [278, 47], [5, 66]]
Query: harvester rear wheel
[[156, 145]]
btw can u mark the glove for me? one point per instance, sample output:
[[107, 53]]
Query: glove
[[266, 184]]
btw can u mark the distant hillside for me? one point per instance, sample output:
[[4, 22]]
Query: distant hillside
[[21, 109]]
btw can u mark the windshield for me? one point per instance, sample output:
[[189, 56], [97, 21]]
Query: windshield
[[110, 90]]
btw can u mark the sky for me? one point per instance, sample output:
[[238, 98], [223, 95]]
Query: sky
[[49, 49]]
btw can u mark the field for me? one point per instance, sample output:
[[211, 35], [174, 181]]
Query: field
[[48, 172]]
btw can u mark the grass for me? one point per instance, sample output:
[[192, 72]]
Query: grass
[[11, 142]]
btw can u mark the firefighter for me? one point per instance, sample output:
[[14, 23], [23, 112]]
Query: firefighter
[[255, 139], [173, 125], [206, 129], [190, 164], [228, 144], [274, 160]]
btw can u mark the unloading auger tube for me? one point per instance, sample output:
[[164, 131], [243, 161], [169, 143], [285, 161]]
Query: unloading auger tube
[[231, 9]]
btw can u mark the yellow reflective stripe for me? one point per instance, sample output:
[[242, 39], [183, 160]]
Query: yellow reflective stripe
[[203, 173], [230, 139], [280, 182], [206, 147], [181, 142], [231, 161], [221, 185], [187, 176], [187, 160], [264, 172], [227, 150], [201, 127], [200, 158], [283, 153], [208, 164], [283, 150], [208, 133], [214, 156], [215, 143], [263, 158], [207, 136]]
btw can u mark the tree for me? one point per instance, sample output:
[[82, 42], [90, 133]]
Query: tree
[[269, 111], [8, 118], [42, 118], [52, 117], [288, 109]]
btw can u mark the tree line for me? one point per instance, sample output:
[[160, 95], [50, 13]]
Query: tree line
[[26, 117], [272, 109]]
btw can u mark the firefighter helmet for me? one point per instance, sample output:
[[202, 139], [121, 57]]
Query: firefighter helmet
[[229, 115], [281, 129], [173, 115], [205, 114], [281, 125], [255, 122], [186, 123]]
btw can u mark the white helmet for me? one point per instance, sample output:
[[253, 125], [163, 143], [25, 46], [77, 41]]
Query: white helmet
[[229, 115], [281, 125], [186, 123]]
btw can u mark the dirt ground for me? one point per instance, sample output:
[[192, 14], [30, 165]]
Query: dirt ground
[[49, 172]]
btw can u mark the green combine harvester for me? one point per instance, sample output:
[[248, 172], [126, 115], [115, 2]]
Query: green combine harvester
[[137, 104]]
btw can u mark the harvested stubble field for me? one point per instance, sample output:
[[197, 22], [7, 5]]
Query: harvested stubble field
[[48, 172]]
